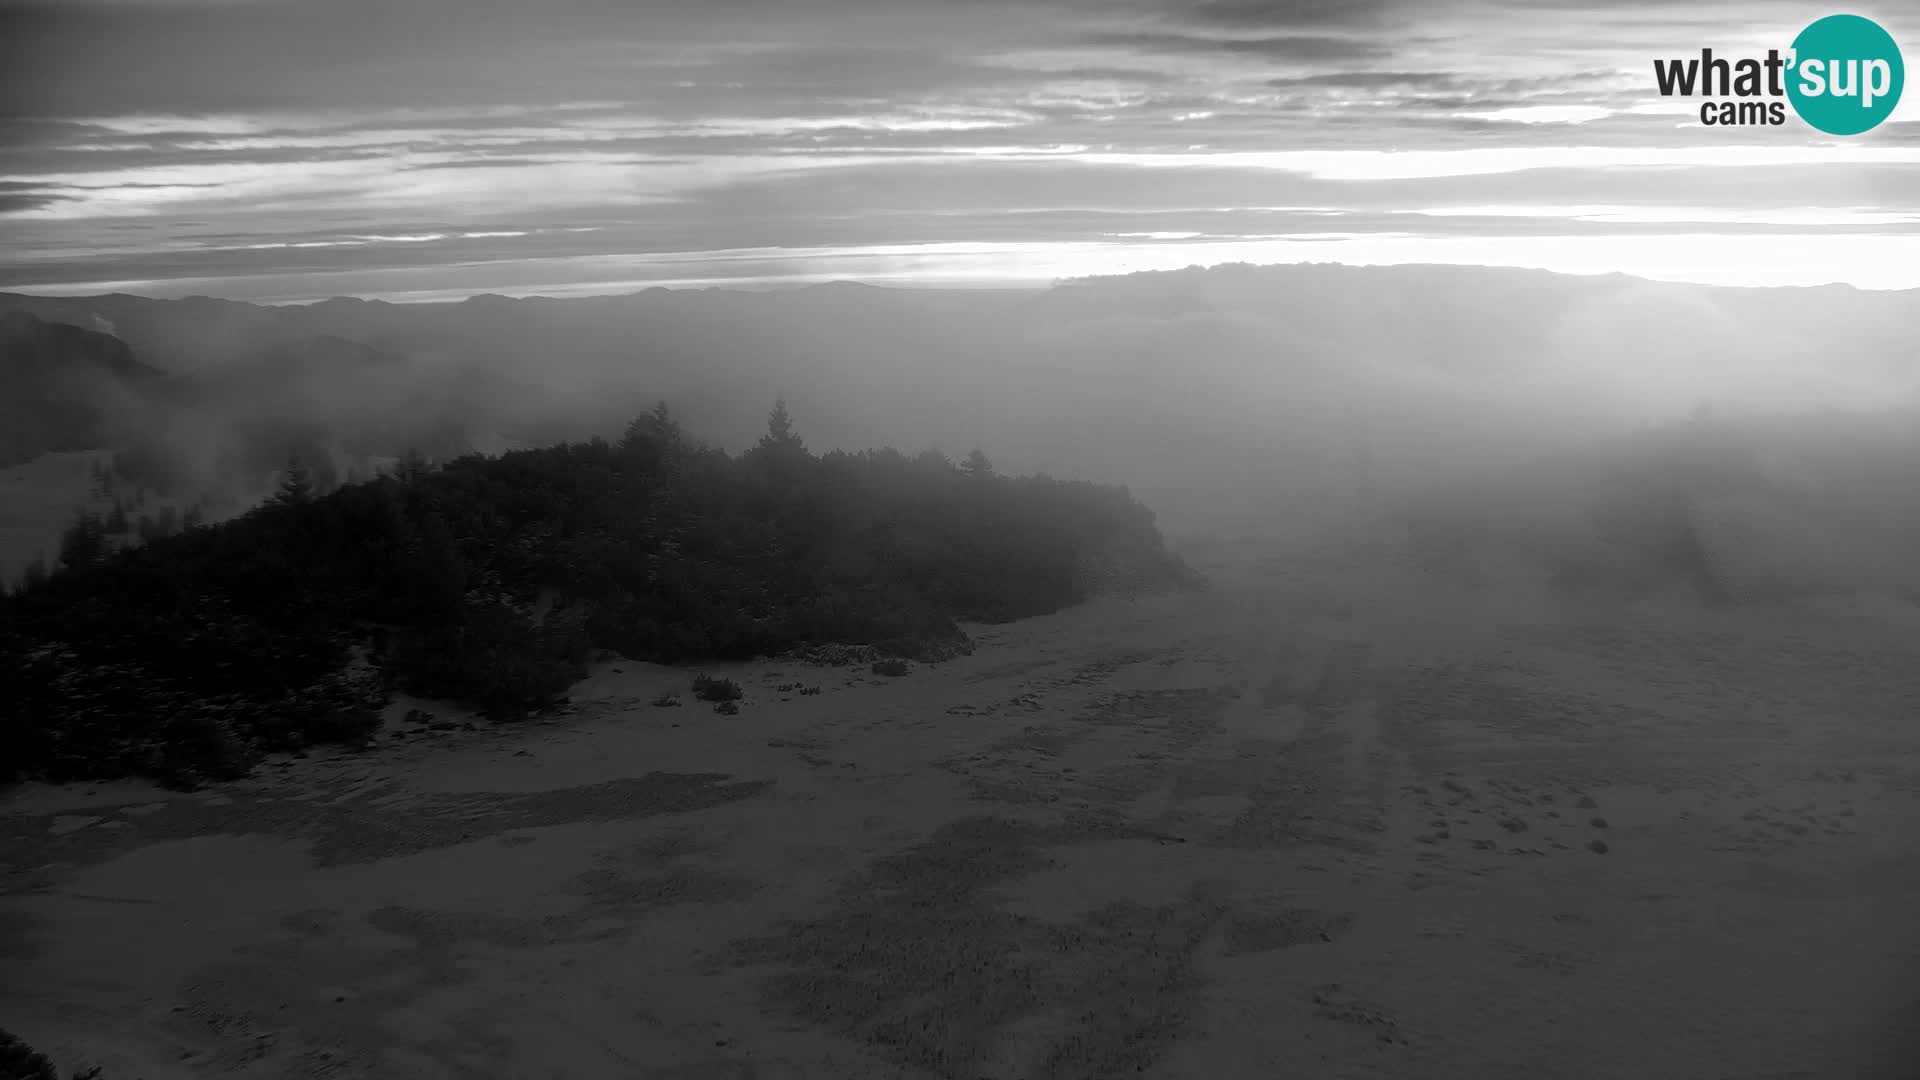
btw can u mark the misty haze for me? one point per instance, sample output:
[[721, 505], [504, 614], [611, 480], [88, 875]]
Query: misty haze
[[1175, 538]]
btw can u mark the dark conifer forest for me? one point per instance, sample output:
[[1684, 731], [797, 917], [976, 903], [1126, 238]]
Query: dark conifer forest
[[492, 582]]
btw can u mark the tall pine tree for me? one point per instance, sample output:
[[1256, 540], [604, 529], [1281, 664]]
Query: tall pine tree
[[780, 437], [296, 484]]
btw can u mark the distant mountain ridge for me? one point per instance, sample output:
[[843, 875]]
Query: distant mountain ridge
[[1447, 314]]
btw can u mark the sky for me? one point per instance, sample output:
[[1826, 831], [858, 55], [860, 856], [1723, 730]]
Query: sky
[[285, 150]]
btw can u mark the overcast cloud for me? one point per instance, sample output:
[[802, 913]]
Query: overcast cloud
[[285, 150]]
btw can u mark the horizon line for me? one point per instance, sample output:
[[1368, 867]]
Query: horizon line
[[928, 283]]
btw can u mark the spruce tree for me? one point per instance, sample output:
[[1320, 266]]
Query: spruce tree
[[780, 436], [84, 542], [296, 484]]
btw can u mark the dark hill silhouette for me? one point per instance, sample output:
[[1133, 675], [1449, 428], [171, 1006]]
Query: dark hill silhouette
[[490, 580], [64, 388]]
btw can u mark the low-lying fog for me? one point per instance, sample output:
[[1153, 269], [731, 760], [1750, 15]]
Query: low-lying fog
[[1602, 432]]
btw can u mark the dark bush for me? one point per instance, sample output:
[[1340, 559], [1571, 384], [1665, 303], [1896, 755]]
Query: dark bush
[[710, 689], [18, 1061], [198, 746], [893, 667]]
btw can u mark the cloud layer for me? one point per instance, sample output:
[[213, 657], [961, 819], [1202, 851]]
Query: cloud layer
[[271, 148]]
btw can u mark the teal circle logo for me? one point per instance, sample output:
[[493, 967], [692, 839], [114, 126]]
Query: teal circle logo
[[1847, 74]]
